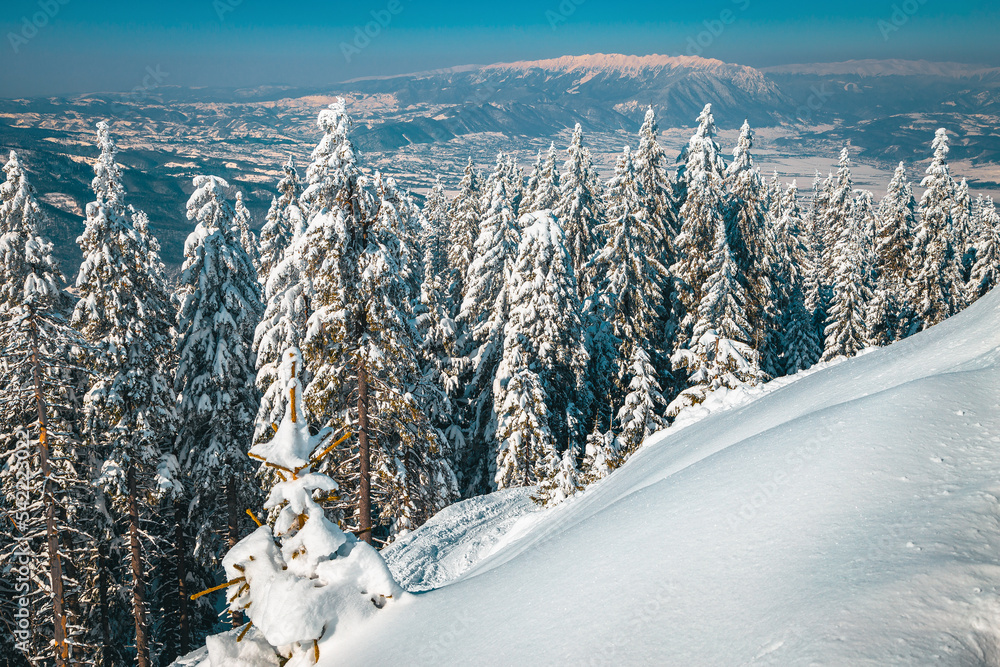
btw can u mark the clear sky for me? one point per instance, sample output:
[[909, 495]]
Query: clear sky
[[52, 47]]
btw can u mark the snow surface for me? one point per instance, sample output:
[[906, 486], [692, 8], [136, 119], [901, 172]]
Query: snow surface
[[848, 518]]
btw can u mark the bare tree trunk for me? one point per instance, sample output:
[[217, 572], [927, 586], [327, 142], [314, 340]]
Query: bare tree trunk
[[102, 596], [233, 536], [183, 621], [51, 531], [365, 485], [138, 587]]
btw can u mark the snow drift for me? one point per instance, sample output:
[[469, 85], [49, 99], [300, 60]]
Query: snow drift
[[849, 518]]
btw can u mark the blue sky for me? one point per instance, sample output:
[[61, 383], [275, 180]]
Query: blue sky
[[64, 46]]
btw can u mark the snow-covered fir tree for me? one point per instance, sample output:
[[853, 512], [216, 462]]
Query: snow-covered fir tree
[[484, 311], [244, 221], [793, 270], [360, 347], [651, 170], [539, 387], [301, 579], [464, 214], [217, 400], [702, 174], [747, 230], [720, 353], [40, 452], [986, 270], [544, 192], [848, 331], [125, 315], [563, 482], [630, 280], [936, 286], [284, 220], [896, 218], [579, 208]]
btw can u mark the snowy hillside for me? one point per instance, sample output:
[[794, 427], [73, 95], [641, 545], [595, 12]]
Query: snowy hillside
[[849, 518]]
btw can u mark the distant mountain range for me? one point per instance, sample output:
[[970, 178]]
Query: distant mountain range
[[888, 110]]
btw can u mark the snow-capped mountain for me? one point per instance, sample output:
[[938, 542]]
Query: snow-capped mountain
[[605, 92]]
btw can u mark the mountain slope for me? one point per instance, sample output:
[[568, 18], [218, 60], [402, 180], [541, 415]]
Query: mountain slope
[[848, 518]]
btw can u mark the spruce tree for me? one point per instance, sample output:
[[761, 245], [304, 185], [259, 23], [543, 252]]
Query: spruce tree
[[217, 400], [464, 213], [125, 315], [702, 213], [244, 221], [484, 311], [936, 286], [720, 353], [360, 345], [284, 220], [896, 219], [579, 207], [747, 231], [539, 387], [986, 270], [42, 457], [545, 188], [630, 279], [848, 331]]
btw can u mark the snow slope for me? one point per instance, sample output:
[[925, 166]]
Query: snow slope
[[849, 518]]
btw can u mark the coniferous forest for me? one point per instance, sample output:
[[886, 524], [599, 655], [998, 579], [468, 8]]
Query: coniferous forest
[[529, 331]]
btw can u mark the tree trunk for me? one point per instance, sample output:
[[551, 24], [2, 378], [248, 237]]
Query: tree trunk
[[51, 531], [102, 596], [183, 620], [138, 589], [365, 485], [233, 536]]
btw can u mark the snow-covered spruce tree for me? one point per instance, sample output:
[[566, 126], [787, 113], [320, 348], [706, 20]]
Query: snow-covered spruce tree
[[438, 331], [651, 171], [283, 222], [563, 482], [47, 537], [963, 230], [539, 388], [244, 221], [720, 353], [814, 235], [484, 311], [747, 230], [847, 331], [630, 279], [301, 579], [792, 270], [464, 214], [986, 271], [702, 213], [544, 191], [936, 287], [360, 347], [125, 315], [837, 201], [579, 208], [896, 219], [217, 400]]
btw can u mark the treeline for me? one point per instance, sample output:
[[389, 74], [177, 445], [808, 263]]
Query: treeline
[[526, 331]]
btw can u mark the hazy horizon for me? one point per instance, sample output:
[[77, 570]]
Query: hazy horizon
[[63, 47]]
